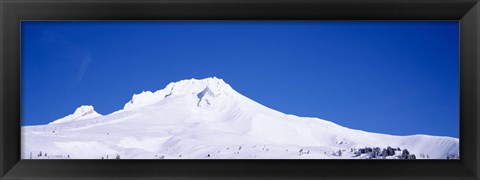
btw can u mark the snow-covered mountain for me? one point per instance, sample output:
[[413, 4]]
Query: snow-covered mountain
[[207, 118]]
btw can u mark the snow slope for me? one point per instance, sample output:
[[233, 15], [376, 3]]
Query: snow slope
[[207, 118]]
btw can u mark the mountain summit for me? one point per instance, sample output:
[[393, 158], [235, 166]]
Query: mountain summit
[[212, 86], [207, 118]]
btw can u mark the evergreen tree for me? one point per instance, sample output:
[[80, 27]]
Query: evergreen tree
[[405, 154]]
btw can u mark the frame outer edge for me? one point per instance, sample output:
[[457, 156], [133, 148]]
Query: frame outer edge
[[6, 163], [470, 26], [2, 135], [476, 16], [3, 168], [477, 8]]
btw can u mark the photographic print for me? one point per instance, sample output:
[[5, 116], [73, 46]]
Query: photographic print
[[240, 90]]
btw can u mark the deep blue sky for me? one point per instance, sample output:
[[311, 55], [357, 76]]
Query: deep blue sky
[[397, 77]]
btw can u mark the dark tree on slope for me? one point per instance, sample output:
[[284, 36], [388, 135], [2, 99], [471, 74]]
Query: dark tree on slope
[[376, 151], [384, 153], [390, 151], [117, 157], [368, 149], [365, 150], [405, 154]]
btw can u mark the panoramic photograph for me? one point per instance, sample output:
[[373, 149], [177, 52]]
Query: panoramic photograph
[[382, 90]]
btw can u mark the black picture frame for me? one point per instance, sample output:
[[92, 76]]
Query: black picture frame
[[12, 12]]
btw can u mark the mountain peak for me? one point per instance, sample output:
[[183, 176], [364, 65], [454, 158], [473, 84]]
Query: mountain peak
[[82, 112], [212, 86], [192, 83]]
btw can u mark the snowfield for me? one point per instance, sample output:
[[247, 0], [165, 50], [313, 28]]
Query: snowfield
[[208, 119]]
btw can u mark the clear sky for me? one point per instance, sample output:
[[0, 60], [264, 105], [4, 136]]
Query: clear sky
[[395, 77]]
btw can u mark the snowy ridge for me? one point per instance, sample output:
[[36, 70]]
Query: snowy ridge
[[207, 118], [81, 113]]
